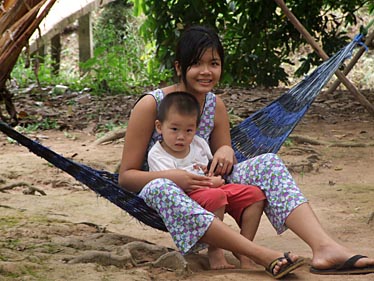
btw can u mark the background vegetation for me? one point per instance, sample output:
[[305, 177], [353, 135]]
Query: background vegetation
[[257, 36]]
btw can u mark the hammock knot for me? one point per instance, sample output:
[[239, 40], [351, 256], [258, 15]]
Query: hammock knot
[[358, 40]]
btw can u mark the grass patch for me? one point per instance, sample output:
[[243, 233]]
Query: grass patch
[[7, 222]]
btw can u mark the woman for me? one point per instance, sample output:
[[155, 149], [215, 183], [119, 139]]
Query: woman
[[199, 65]]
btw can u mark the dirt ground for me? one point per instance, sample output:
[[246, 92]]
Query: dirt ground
[[71, 234]]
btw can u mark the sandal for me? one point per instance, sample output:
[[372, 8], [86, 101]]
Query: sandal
[[286, 268], [348, 267]]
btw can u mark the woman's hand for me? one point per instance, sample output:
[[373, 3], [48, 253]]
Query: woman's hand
[[189, 181], [222, 162]]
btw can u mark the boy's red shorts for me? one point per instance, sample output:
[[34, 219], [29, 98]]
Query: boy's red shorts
[[236, 197]]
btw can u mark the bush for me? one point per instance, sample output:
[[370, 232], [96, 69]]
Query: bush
[[257, 36], [123, 61]]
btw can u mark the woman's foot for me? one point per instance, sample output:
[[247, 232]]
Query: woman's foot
[[217, 259], [284, 265], [333, 256]]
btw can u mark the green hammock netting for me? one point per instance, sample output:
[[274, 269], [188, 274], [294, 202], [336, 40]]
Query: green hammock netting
[[264, 131]]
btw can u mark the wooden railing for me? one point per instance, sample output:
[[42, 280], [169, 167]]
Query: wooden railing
[[62, 14]]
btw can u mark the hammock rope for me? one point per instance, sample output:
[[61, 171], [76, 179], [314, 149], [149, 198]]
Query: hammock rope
[[267, 129], [263, 132]]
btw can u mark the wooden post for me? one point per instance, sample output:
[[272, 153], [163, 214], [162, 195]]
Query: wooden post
[[369, 107], [41, 53], [56, 53], [353, 61], [85, 38]]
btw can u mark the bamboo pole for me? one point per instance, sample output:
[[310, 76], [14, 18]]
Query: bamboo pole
[[353, 61], [14, 38], [369, 107], [13, 10], [24, 28]]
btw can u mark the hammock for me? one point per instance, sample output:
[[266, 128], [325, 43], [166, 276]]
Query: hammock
[[263, 132]]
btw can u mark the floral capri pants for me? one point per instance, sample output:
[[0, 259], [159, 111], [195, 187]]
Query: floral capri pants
[[187, 221]]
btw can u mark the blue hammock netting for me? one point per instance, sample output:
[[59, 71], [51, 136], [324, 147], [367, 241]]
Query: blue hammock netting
[[262, 132]]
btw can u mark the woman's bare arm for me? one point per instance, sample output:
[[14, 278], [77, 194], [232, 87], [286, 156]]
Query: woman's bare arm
[[139, 131], [220, 142]]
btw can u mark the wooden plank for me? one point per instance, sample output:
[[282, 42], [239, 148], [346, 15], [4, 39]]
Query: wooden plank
[[352, 63], [291, 17], [63, 13], [85, 38], [56, 53]]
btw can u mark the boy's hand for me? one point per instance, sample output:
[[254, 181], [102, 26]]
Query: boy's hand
[[217, 181], [200, 167], [189, 181]]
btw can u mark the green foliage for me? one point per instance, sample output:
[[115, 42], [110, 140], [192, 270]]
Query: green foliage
[[45, 124], [122, 61], [109, 127], [24, 74], [257, 36], [288, 142], [371, 7]]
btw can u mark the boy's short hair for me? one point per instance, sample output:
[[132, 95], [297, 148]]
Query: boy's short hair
[[183, 102]]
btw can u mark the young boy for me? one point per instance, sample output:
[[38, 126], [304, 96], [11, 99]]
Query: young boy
[[180, 148]]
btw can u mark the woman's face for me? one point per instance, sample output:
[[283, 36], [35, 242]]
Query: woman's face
[[202, 76]]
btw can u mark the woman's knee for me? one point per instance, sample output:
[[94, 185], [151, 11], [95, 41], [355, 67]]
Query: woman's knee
[[161, 185], [271, 157], [160, 181]]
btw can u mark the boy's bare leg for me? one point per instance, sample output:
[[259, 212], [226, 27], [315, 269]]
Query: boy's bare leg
[[250, 221], [222, 236], [216, 255]]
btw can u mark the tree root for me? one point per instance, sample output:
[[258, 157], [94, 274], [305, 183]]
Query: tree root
[[99, 229], [29, 191], [104, 258], [371, 218], [6, 207], [135, 254], [304, 139], [173, 261], [111, 136]]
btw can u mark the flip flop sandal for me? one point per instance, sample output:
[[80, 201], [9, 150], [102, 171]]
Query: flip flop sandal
[[286, 268], [348, 267]]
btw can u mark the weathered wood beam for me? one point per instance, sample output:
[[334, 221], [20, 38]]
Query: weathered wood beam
[[291, 17], [56, 53], [85, 38], [52, 26], [348, 68]]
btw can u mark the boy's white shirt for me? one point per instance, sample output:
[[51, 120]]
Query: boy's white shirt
[[159, 159]]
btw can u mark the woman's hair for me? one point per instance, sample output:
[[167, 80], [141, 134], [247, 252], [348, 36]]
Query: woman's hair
[[184, 103], [192, 45]]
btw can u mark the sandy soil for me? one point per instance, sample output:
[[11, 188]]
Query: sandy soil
[[71, 234]]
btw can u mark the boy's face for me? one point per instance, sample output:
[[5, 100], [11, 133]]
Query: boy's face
[[177, 132]]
